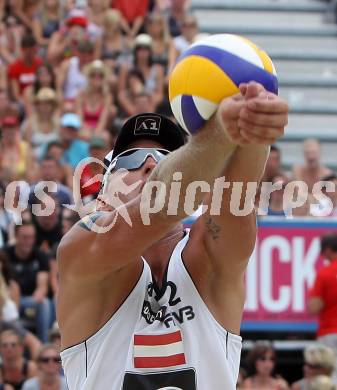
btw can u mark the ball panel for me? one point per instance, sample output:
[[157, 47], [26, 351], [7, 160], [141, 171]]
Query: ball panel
[[233, 44], [192, 118], [176, 109], [205, 108], [236, 69], [199, 76]]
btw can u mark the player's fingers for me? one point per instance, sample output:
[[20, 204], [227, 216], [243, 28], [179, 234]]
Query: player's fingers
[[273, 104], [263, 119], [262, 131]]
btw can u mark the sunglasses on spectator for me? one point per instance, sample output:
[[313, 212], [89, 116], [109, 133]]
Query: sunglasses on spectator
[[47, 359]]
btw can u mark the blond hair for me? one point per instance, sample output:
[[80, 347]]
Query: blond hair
[[322, 356]]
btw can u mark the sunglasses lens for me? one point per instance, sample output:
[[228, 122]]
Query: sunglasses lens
[[134, 160]]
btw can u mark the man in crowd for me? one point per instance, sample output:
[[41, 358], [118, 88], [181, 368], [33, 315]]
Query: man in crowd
[[31, 271], [322, 301]]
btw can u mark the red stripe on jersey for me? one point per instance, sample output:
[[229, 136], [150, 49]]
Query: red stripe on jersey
[[161, 339], [160, 362]]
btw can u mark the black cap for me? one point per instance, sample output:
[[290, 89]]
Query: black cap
[[151, 126]]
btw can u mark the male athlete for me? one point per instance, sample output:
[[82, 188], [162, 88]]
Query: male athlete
[[151, 306]]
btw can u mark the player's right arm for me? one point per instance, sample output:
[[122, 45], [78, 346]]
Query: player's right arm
[[202, 158]]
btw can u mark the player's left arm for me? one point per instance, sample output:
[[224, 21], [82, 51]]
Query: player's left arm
[[229, 239]]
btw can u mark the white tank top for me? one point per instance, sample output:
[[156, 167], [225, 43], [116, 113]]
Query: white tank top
[[157, 340], [76, 81]]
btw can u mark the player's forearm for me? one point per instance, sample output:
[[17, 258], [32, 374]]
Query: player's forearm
[[203, 158]]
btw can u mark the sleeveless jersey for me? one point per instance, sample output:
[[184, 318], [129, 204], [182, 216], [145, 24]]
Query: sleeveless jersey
[[157, 340]]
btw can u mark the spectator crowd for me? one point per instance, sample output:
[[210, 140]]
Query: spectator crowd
[[71, 73]]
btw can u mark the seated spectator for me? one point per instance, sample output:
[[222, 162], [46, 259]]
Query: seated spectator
[[318, 360], [55, 337], [31, 271], [5, 104], [321, 382], [22, 71], [94, 104], [65, 42], [322, 296], [50, 169], [71, 78], [56, 150], [331, 195], [11, 33], [113, 44], [48, 227], [98, 150], [48, 376], [75, 149], [46, 21], [16, 157], [189, 31], [42, 125], [177, 12], [313, 170], [10, 297], [277, 206], [45, 78], [133, 15], [162, 44], [15, 368], [6, 219], [261, 362], [153, 73], [25, 10], [95, 12], [273, 164], [134, 85]]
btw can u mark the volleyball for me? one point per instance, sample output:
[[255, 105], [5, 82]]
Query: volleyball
[[212, 69]]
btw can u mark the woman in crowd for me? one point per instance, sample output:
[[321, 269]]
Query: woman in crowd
[[318, 360], [45, 78], [153, 73], [261, 365], [113, 43], [16, 157], [135, 84], [10, 38], [162, 45], [48, 376], [15, 368], [46, 21], [42, 126], [94, 104]]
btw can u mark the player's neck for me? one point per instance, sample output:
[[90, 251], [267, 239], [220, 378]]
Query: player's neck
[[158, 255]]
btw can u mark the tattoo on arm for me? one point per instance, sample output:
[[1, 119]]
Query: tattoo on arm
[[212, 228], [87, 222]]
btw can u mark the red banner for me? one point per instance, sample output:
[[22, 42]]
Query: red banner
[[280, 273]]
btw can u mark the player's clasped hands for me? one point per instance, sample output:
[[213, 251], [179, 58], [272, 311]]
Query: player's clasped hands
[[254, 116]]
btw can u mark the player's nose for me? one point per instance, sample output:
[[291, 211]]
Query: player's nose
[[149, 165]]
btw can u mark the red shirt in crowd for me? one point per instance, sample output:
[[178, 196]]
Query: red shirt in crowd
[[325, 288], [25, 74], [131, 10]]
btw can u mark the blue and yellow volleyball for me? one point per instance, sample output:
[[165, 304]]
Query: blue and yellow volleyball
[[211, 70]]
